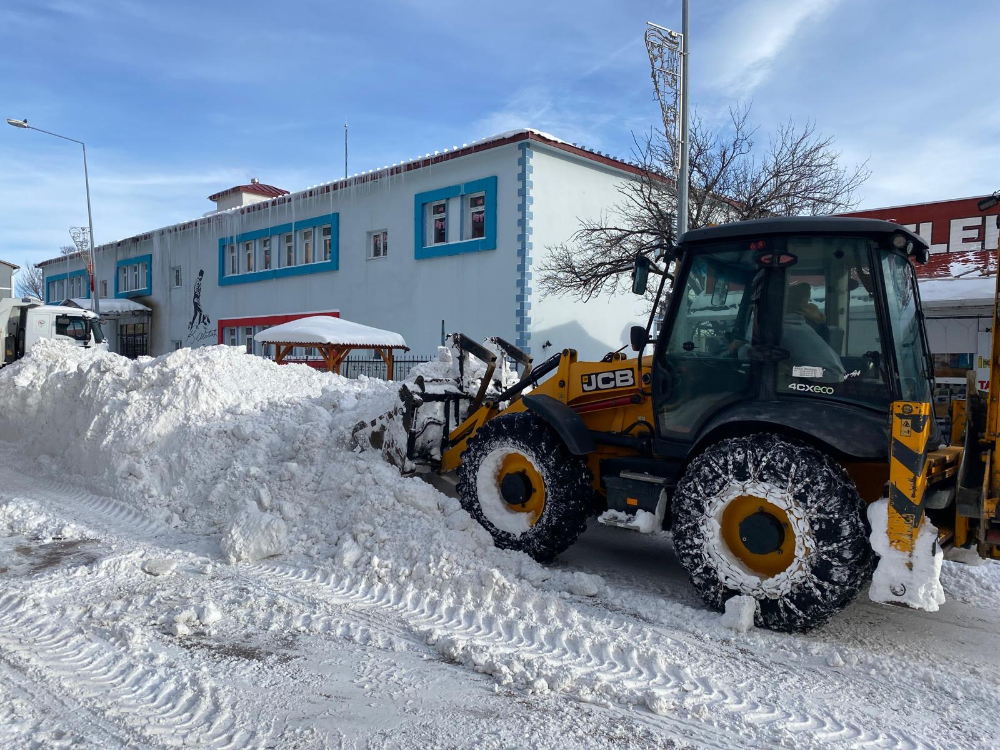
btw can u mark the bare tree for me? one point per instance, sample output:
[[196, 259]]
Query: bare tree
[[797, 172], [30, 282]]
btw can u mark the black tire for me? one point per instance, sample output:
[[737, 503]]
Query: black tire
[[566, 478], [822, 579]]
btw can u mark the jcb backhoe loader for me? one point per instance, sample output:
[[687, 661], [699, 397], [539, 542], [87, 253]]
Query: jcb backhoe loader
[[788, 389]]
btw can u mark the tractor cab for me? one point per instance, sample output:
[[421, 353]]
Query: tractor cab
[[807, 324]]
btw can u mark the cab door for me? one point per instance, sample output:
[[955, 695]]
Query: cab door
[[706, 358]]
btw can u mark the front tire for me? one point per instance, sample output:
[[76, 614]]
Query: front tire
[[777, 520], [521, 483]]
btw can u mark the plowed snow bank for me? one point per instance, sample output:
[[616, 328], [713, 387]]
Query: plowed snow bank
[[193, 436]]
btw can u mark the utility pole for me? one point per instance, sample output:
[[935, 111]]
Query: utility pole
[[682, 177]]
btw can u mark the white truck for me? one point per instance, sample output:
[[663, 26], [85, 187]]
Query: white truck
[[24, 320]]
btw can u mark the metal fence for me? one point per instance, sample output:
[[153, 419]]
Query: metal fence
[[352, 367]]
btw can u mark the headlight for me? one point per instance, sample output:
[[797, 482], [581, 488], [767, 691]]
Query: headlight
[[899, 241]]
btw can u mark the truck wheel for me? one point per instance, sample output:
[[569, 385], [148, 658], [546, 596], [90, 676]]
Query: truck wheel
[[776, 520], [519, 481]]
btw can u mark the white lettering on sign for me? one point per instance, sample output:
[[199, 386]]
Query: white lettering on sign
[[604, 381], [965, 234]]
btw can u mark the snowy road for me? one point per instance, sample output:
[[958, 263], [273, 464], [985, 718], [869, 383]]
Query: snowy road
[[387, 618], [305, 656]]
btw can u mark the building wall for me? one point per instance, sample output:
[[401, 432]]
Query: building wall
[[6, 281], [566, 189], [470, 291]]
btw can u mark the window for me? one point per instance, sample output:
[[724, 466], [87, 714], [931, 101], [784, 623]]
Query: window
[[307, 246], [177, 344], [248, 339], [265, 251], [475, 224], [233, 261], [133, 277], [75, 328], [289, 241], [378, 244], [231, 336], [104, 287], [175, 277], [439, 223], [327, 237], [248, 257], [911, 357]]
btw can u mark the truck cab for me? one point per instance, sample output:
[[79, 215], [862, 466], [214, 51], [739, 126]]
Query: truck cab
[[25, 320]]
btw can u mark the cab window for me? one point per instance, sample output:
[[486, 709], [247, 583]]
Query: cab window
[[829, 326], [74, 328]]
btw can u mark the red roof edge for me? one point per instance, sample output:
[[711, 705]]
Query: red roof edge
[[257, 188]]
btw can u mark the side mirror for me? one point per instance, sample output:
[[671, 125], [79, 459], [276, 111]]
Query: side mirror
[[638, 337], [640, 274]]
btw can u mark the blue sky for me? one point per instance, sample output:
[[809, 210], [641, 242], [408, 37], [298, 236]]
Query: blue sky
[[177, 100]]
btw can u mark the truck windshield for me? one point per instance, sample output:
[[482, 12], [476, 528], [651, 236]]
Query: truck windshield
[[95, 328]]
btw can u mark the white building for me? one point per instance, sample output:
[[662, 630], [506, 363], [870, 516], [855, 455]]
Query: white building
[[7, 270], [446, 242]]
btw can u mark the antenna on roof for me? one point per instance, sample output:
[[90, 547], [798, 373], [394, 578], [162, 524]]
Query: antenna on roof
[[345, 149]]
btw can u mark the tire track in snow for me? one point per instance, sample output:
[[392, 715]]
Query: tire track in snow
[[606, 670], [55, 721], [104, 677]]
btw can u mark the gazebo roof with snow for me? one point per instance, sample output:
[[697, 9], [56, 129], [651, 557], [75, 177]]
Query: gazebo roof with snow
[[322, 329], [333, 338]]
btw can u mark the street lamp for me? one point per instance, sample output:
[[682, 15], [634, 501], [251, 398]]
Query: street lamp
[[94, 299]]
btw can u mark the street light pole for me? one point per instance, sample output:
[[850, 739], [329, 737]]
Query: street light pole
[[94, 296], [682, 178]]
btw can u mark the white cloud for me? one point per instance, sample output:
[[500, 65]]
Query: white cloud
[[740, 46]]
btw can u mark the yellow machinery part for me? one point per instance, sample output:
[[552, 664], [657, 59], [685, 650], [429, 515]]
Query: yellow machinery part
[[767, 565], [515, 463]]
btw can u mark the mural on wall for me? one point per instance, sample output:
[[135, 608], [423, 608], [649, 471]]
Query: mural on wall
[[200, 328]]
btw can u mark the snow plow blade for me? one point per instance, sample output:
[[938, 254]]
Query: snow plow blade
[[437, 400], [909, 566]]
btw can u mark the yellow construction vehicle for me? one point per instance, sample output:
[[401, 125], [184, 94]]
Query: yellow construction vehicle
[[788, 390]]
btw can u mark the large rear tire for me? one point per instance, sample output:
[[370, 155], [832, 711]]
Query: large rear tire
[[521, 483], [777, 520]]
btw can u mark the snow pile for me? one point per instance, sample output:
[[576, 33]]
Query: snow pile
[[196, 438], [642, 521], [894, 582], [739, 614], [253, 535]]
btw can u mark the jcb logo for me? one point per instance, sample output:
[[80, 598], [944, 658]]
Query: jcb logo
[[604, 381]]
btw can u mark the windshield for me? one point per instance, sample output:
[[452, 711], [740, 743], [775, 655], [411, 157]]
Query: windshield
[[95, 328], [74, 328], [911, 357]]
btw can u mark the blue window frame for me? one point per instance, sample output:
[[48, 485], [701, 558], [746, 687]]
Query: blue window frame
[[277, 271], [51, 281], [422, 249], [140, 267]]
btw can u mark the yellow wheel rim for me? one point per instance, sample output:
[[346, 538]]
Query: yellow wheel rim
[[733, 517], [515, 463]]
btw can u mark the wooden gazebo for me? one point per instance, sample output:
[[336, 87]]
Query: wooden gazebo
[[333, 338]]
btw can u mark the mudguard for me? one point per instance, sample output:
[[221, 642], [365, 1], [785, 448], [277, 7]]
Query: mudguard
[[566, 422]]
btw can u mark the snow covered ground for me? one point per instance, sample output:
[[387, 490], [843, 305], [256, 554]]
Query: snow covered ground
[[387, 619]]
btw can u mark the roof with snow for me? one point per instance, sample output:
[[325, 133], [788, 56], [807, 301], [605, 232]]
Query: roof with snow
[[109, 305], [429, 159], [257, 188], [323, 329]]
